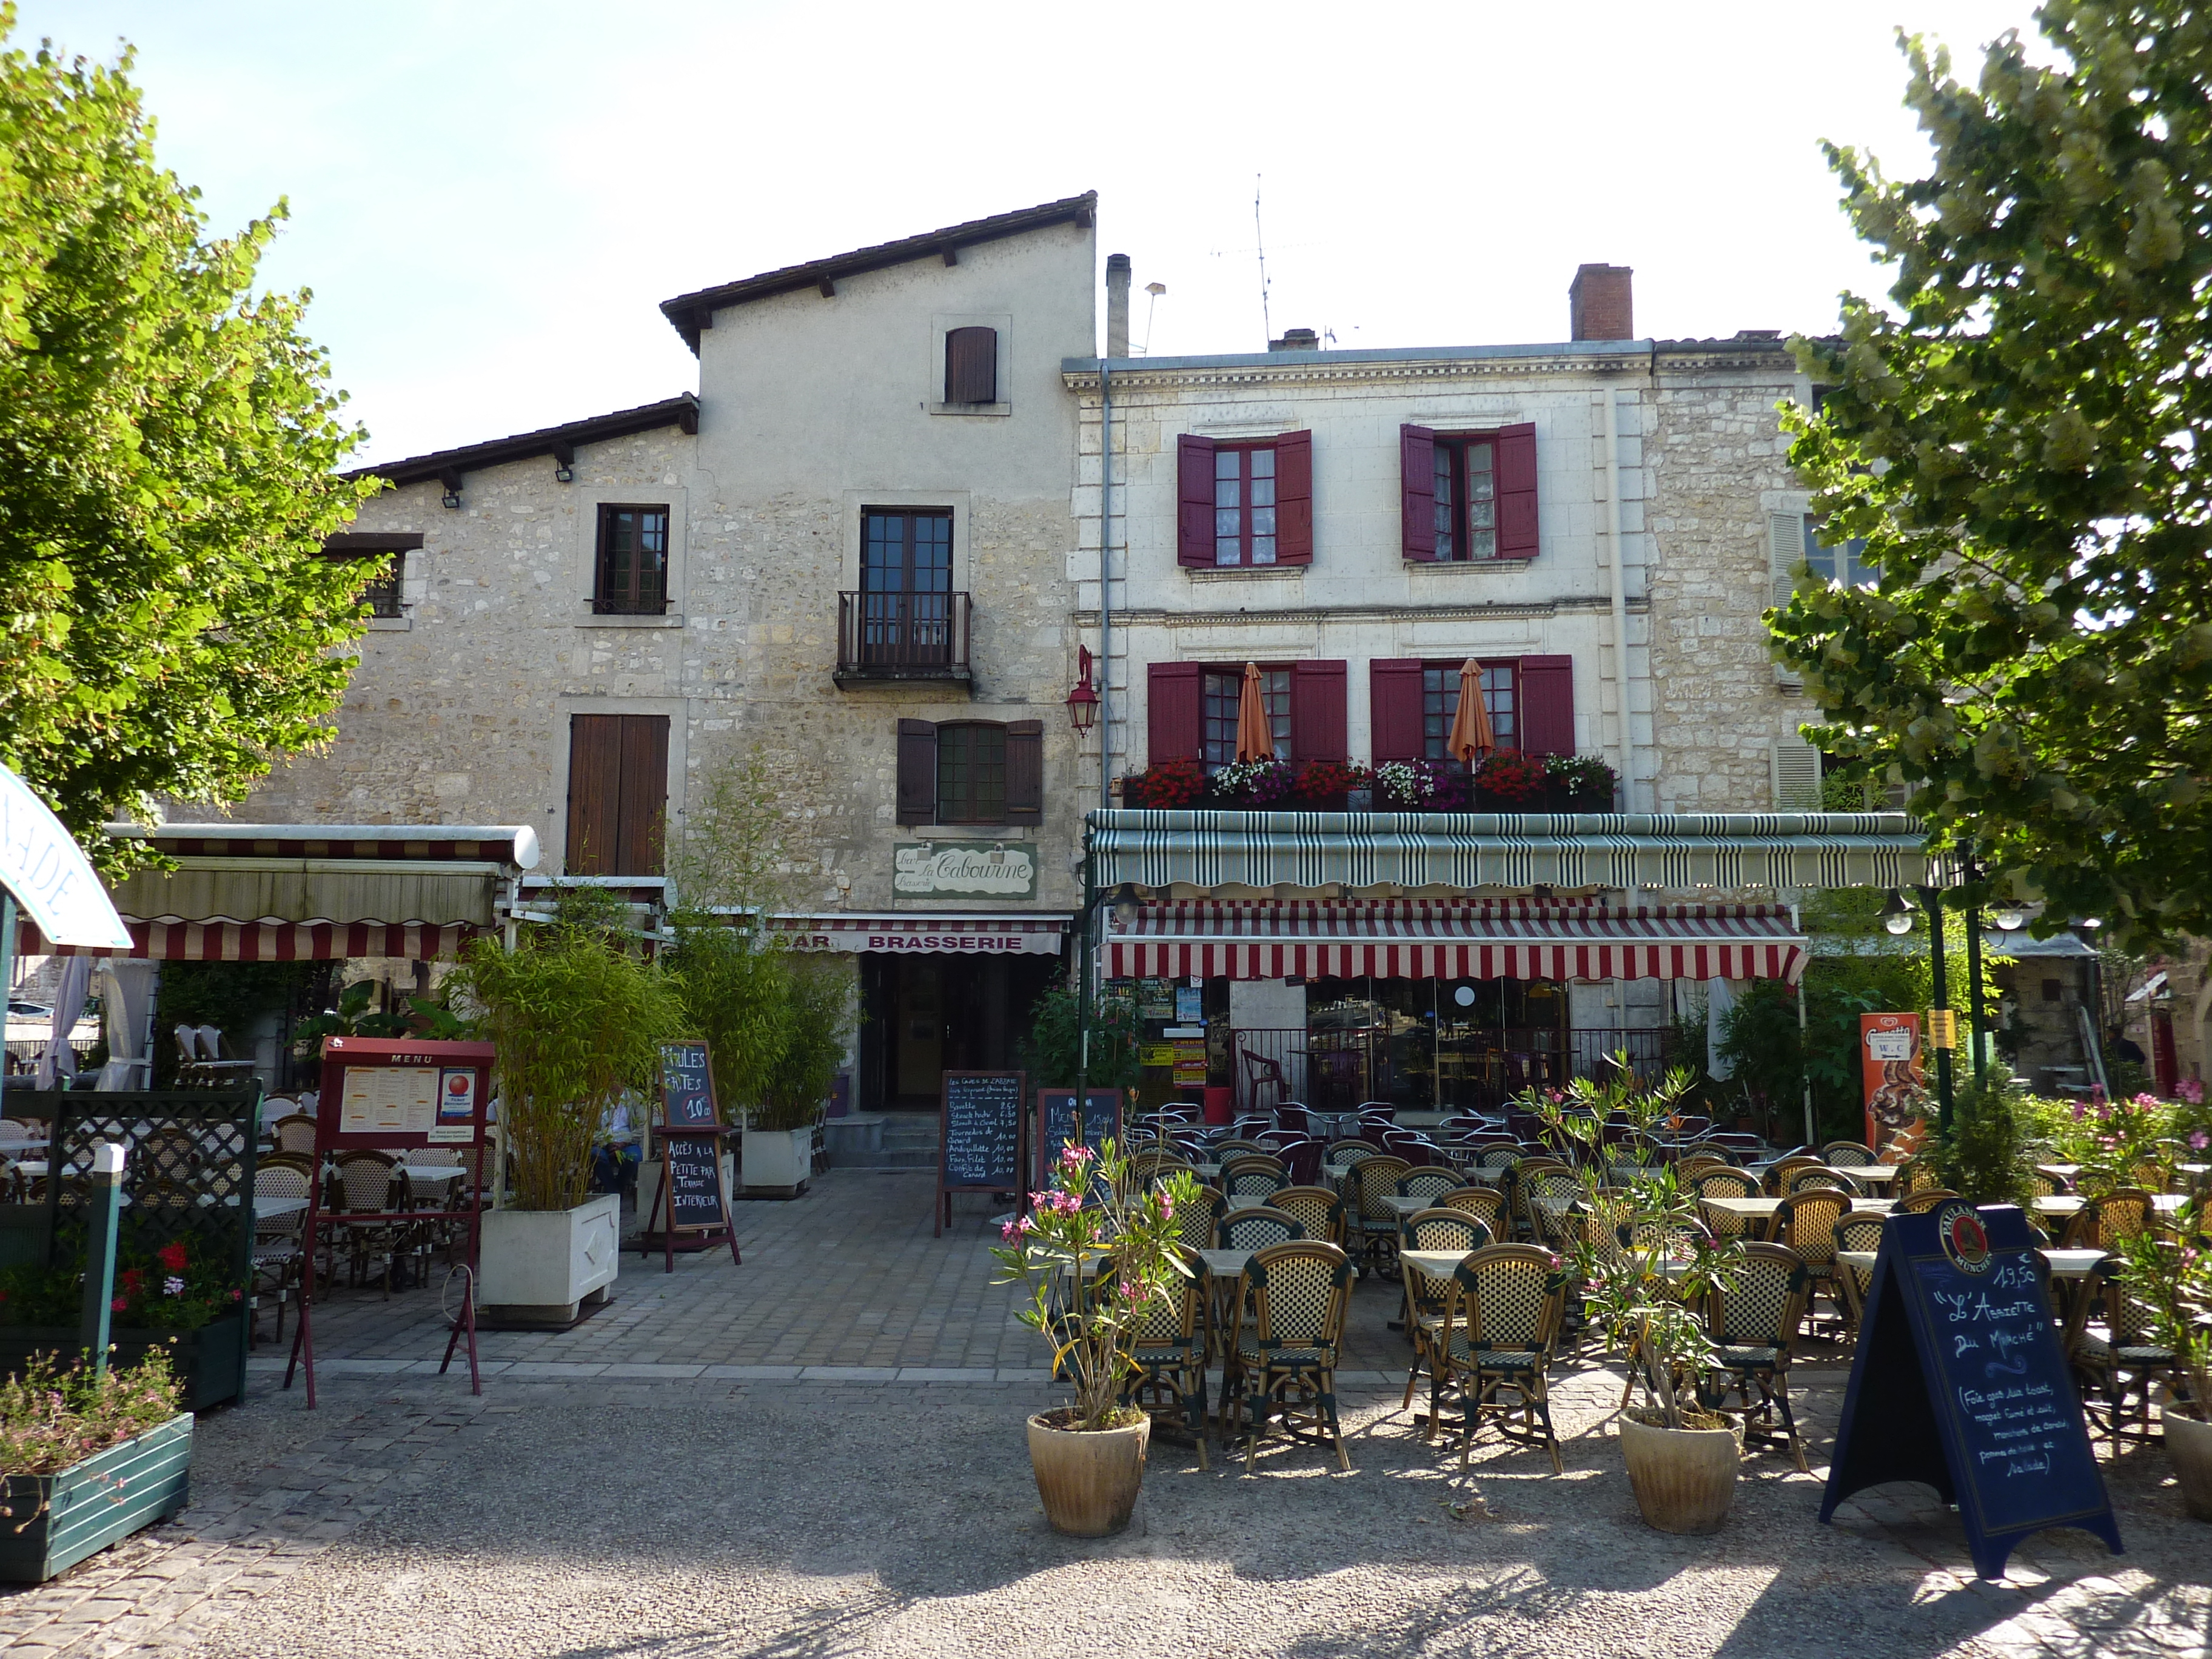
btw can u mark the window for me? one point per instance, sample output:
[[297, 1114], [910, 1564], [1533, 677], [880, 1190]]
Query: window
[[387, 551], [633, 562], [1221, 693], [906, 586], [617, 794], [1844, 563], [382, 593], [971, 773], [1466, 498], [971, 365], [1245, 504], [1501, 696]]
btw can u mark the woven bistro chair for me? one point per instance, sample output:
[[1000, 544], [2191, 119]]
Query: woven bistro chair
[[1778, 1173], [1280, 1360], [279, 1262], [1847, 1152], [1916, 1175], [1194, 1223], [1806, 1177], [1859, 1230], [1430, 1183], [1230, 1146], [1255, 1229], [1252, 1175], [1318, 1209], [1547, 1197], [1146, 1168], [2120, 1358], [296, 1133], [1375, 1181], [1691, 1165], [2109, 1217], [2040, 1185], [1426, 1293], [1167, 1350], [1485, 1204], [1806, 1223], [1348, 1152], [1923, 1200], [364, 1184], [1500, 1321], [1752, 1323]]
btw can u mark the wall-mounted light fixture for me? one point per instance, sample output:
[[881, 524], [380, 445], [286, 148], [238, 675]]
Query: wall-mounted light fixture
[[564, 463], [452, 480], [1083, 700], [1897, 914]]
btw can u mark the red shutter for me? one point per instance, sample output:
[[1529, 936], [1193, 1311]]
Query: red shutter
[[1173, 723], [1024, 771], [1547, 705], [1516, 492], [917, 772], [1394, 710], [971, 365], [1317, 712], [1194, 499], [1294, 503], [1416, 491]]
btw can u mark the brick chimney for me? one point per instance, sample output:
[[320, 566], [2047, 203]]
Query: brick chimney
[[1599, 305], [1296, 339]]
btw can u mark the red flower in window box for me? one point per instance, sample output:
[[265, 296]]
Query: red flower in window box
[[1165, 785], [1324, 784], [171, 1256], [1510, 782]]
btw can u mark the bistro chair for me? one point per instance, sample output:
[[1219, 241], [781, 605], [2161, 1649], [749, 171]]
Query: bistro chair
[[1348, 1152], [1376, 1180], [1778, 1174], [1252, 1175], [2109, 1217], [1819, 1174], [1485, 1204], [1194, 1223], [1752, 1323], [279, 1262], [1847, 1152], [1430, 1183], [1500, 1321], [1167, 1348], [1686, 1169], [1235, 1146], [2040, 1185], [364, 1184], [1916, 1175], [1280, 1361], [1255, 1229], [296, 1133], [1301, 1161], [1806, 1223], [1292, 1115], [1859, 1230], [1426, 1293], [2121, 1359], [1318, 1209], [1923, 1200], [1501, 1155], [1546, 1191], [1725, 1183], [1147, 1168]]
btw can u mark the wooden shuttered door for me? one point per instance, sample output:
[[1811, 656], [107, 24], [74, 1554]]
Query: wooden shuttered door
[[617, 794], [1294, 520], [1417, 490], [917, 771], [1547, 705], [1024, 771], [1394, 708], [1174, 724], [971, 365], [1516, 492], [1194, 501], [1317, 714]]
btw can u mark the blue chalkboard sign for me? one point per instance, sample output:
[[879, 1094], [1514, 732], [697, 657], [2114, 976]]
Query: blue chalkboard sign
[[1961, 1383], [979, 1136], [1057, 1127]]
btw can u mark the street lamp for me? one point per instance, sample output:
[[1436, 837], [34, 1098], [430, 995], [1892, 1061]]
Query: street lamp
[[2009, 918], [1083, 700], [1897, 915]]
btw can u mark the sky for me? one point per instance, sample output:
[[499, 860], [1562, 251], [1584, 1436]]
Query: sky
[[489, 200]]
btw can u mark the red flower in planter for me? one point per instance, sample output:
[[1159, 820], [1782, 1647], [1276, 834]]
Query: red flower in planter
[[1166, 784], [1330, 781], [1511, 779], [132, 1278], [171, 1256]]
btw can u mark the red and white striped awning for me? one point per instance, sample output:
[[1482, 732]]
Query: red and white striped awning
[[1415, 939], [168, 940], [988, 935]]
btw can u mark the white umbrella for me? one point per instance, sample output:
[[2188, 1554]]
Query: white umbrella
[[59, 1059]]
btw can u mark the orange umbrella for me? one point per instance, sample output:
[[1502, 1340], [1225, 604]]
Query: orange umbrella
[[1255, 734], [1471, 735]]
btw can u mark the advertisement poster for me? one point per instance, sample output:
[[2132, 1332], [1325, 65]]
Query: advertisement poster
[[1895, 1087]]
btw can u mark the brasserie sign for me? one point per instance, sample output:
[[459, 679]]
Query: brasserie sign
[[978, 869]]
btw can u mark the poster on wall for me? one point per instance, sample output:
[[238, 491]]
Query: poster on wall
[[1894, 1085]]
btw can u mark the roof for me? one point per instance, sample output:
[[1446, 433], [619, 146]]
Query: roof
[[689, 313], [1754, 348], [559, 441]]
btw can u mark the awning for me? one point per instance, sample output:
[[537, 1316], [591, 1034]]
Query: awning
[[1504, 849], [1421, 939], [169, 939], [845, 930]]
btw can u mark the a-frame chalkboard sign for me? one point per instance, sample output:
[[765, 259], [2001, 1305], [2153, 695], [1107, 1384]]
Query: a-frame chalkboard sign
[[1961, 1383], [1057, 1127], [688, 1197], [979, 1144]]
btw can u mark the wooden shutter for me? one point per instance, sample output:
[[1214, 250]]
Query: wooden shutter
[[644, 810], [1796, 775], [1516, 492], [595, 794], [1317, 721], [1174, 726], [1417, 495], [1547, 705], [971, 365], [917, 772], [1024, 771], [1394, 710], [1194, 499], [1785, 553], [1294, 528]]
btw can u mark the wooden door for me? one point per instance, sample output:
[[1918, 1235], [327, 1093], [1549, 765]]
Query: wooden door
[[617, 794]]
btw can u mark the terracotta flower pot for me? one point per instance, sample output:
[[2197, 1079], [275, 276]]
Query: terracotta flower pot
[[2189, 1443], [1684, 1479], [1088, 1480]]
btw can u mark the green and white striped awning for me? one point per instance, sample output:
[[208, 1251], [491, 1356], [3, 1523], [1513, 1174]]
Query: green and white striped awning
[[1511, 849]]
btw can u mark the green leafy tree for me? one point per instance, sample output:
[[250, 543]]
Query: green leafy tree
[[2017, 436], [168, 447]]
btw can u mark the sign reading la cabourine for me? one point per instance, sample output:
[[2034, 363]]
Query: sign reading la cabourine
[[41, 864], [981, 869]]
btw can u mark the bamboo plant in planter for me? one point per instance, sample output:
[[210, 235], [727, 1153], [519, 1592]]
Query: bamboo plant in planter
[[2169, 1276], [86, 1461]]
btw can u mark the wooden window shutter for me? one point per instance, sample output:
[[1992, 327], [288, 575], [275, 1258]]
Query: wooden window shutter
[[917, 771], [1174, 725], [1317, 720], [1294, 526], [644, 794], [1024, 771], [595, 794], [1547, 705], [1785, 553], [1516, 492], [1195, 501], [1796, 775], [1394, 708], [971, 365], [1417, 495]]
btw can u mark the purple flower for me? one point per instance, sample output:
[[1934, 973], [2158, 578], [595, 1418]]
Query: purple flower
[[2198, 1140]]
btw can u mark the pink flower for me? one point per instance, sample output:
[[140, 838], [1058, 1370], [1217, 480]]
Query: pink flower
[[1167, 1200], [1007, 1233], [1074, 1158], [2081, 1111], [117, 1305], [2198, 1140], [1129, 1291]]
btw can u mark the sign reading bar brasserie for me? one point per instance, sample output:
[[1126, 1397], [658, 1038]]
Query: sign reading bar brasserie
[[978, 869]]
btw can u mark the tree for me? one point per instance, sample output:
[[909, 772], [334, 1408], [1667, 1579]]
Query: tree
[[168, 447], [2018, 441]]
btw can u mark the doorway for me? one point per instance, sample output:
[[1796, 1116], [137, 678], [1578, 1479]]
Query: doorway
[[932, 1011]]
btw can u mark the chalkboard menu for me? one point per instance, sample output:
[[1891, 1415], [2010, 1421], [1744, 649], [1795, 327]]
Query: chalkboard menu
[[687, 1087], [1961, 1383], [1056, 1125], [979, 1136], [693, 1163]]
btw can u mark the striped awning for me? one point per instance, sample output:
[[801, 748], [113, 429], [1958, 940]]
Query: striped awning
[[1421, 939], [1501, 849], [906, 932], [169, 939]]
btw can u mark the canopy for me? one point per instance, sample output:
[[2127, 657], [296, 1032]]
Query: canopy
[[906, 932], [1155, 849], [1421, 939]]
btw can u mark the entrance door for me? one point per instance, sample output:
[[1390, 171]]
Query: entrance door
[[920, 1052], [930, 1012], [906, 589]]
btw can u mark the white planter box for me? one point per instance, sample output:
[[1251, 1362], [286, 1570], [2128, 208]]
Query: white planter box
[[778, 1159], [546, 1264]]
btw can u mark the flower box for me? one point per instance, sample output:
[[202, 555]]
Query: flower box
[[545, 1267], [52, 1522], [210, 1360]]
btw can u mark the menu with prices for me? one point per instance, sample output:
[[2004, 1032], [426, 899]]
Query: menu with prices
[[396, 1099]]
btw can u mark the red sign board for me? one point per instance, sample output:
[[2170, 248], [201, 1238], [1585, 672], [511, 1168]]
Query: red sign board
[[387, 1093]]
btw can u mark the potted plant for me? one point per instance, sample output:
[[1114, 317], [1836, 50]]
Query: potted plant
[[1329, 786], [2171, 1274], [1577, 783], [1095, 1251], [1167, 785], [1254, 786], [87, 1460], [578, 1019], [1510, 782], [1420, 786], [179, 1301], [779, 1135]]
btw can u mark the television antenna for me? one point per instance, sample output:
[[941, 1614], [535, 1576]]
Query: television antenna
[[1154, 289], [1260, 241]]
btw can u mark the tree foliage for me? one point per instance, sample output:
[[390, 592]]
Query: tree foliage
[[2018, 441], [168, 450]]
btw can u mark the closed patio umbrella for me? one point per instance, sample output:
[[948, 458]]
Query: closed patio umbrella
[[1256, 733], [1471, 736]]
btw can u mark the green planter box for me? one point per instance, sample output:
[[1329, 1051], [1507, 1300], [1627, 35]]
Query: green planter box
[[210, 1361], [52, 1522]]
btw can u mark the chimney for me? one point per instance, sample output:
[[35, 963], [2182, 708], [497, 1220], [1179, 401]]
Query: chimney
[[1599, 305], [1117, 304], [1296, 339]]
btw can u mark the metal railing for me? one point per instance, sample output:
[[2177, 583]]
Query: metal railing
[[895, 634]]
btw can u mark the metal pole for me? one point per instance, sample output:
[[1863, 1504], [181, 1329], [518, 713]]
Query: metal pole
[[1974, 1011], [1801, 1060], [1932, 897], [100, 1252], [1083, 973]]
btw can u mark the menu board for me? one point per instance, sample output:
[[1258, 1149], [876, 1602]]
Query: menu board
[[693, 1174], [979, 1135], [687, 1087], [1056, 1125], [395, 1099], [1961, 1383]]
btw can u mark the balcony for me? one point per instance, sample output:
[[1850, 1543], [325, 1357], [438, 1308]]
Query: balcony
[[887, 638]]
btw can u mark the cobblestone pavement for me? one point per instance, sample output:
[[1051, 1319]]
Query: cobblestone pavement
[[758, 1481]]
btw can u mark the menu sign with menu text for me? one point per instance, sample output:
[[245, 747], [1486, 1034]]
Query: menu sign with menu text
[[394, 1099]]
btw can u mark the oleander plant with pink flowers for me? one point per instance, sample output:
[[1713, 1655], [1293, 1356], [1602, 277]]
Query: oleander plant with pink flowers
[[1097, 1251]]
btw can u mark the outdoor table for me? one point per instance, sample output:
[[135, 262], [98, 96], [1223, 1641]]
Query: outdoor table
[[1763, 1209], [1225, 1264], [2064, 1207], [1401, 1207], [33, 1167], [266, 1208], [425, 1175], [1437, 1264], [1867, 1175], [2059, 1171], [1207, 1172]]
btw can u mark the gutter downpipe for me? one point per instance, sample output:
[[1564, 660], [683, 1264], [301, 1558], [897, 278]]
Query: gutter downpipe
[[1105, 583], [1619, 573]]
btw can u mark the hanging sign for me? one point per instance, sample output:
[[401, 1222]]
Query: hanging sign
[[984, 869], [1961, 1383], [1893, 1086], [41, 864]]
